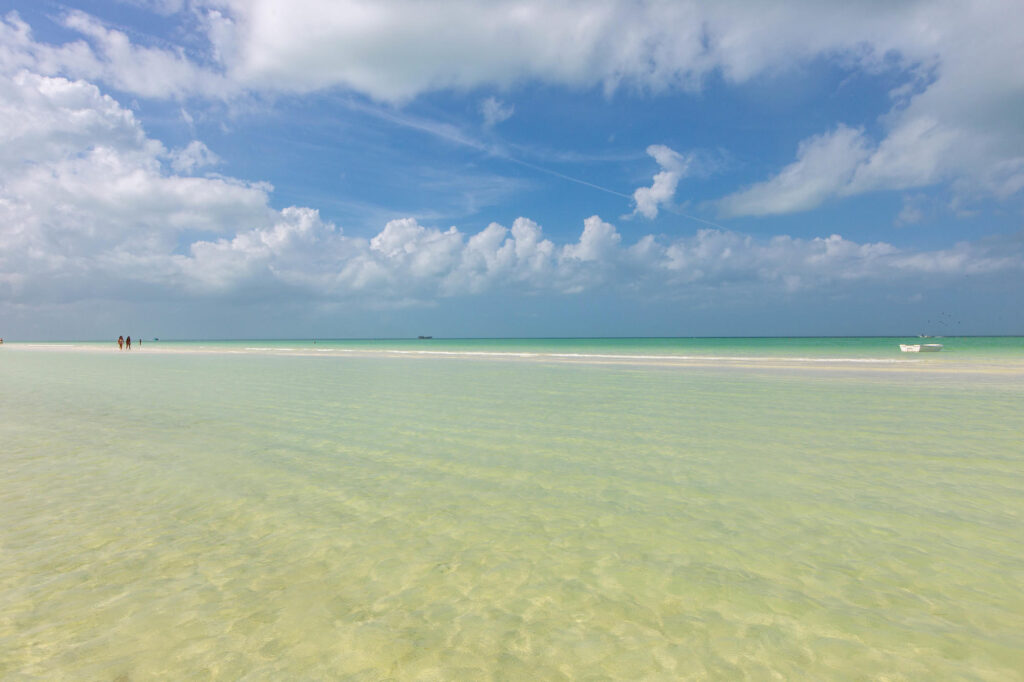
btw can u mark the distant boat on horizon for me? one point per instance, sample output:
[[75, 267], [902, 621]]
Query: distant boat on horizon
[[425, 337]]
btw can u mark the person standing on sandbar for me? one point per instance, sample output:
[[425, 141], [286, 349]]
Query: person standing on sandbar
[[120, 343], [128, 343]]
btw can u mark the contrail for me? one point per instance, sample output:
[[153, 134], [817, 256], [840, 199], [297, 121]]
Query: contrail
[[578, 181], [563, 176], [676, 211], [453, 134]]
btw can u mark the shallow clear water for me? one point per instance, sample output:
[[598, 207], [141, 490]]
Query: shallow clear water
[[388, 516]]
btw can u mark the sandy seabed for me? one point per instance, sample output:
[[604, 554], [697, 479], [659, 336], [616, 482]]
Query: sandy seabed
[[212, 513]]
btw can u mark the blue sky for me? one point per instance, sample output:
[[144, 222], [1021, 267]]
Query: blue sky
[[272, 168]]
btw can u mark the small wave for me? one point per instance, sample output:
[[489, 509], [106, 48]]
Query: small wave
[[620, 357], [744, 358], [505, 354]]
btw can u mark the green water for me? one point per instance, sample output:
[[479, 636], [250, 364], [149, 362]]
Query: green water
[[239, 513]]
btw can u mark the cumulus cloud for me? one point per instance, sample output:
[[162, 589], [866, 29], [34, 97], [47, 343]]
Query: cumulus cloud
[[598, 241], [108, 56], [495, 111], [663, 189], [407, 261], [83, 188], [88, 201]]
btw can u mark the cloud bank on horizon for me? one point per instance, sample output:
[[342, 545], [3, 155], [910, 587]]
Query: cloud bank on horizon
[[92, 204]]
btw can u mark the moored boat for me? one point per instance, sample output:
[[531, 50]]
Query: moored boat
[[920, 347]]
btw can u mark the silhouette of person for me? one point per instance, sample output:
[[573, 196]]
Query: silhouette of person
[[120, 343], [128, 343]]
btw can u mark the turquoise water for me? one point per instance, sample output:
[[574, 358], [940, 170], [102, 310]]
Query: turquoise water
[[203, 511], [1003, 352], [858, 347]]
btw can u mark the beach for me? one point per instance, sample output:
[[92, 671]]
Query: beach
[[512, 509]]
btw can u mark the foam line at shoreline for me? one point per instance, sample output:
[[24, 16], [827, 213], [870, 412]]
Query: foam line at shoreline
[[601, 358], [376, 352], [625, 356]]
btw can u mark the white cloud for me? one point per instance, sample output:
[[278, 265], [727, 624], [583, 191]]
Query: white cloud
[[916, 153], [673, 167], [47, 119], [408, 247], [83, 189], [955, 117], [298, 250], [495, 111], [394, 51], [912, 211], [195, 155], [597, 243], [407, 261], [89, 204], [959, 121], [955, 121], [109, 56], [824, 166]]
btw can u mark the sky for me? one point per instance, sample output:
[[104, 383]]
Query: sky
[[340, 169]]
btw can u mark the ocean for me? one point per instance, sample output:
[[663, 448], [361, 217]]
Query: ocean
[[512, 509]]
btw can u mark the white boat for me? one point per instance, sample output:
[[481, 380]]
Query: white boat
[[920, 347]]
